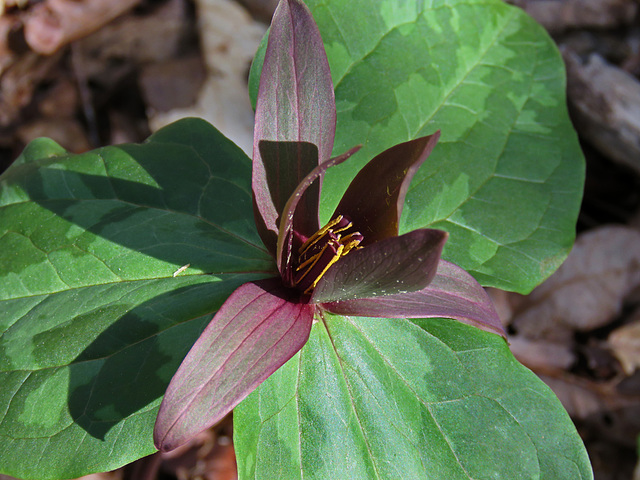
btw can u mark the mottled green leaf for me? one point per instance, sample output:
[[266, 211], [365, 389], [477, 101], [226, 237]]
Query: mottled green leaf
[[434, 399], [506, 177], [112, 262]]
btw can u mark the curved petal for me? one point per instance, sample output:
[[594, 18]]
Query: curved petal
[[295, 103], [375, 197], [255, 332], [452, 293], [288, 222], [394, 265], [285, 165]]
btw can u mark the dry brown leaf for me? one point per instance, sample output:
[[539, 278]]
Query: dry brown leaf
[[588, 290], [262, 9], [18, 83], [61, 100], [635, 222], [133, 39], [68, 132], [612, 415], [501, 302], [579, 397], [7, 24], [13, 3], [541, 355], [52, 24], [208, 456], [172, 84], [624, 342], [103, 476], [606, 105], [224, 98], [557, 16]]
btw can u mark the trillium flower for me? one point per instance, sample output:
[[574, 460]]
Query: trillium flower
[[356, 264]]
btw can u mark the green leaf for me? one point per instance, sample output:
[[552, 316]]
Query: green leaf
[[112, 262], [376, 398], [506, 177]]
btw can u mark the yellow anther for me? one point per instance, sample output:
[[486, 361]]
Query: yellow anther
[[319, 260], [316, 236], [339, 253]]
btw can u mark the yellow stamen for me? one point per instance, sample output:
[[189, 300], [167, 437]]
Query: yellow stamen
[[326, 237], [316, 236], [315, 258]]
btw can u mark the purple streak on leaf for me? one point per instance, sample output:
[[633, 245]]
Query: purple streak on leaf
[[394, 265], [375, 197], [295, 103], [289, 218], [452, 293], [256, 331]]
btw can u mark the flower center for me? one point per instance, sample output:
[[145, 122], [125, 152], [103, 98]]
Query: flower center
[[323, 249]]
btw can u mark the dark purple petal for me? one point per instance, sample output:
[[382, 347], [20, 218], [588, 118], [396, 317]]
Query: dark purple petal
[[295, 103], [394, 265], [256, 331], [375, 197], [452, 293], [286, 164], [288, 222]]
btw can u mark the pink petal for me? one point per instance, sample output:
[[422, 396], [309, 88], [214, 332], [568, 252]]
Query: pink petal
[[452, 293], [256, 331]]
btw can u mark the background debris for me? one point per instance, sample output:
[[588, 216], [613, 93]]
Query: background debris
[[52, 24], [224, 98], [624, 342], [606, 102], [94, 72], [558, 16], [588, 290]]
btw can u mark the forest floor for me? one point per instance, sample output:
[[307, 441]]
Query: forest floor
[[89, 73]]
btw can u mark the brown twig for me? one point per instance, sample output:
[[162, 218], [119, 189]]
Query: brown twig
[[53, 24]]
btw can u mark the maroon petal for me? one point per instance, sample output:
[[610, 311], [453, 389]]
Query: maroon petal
[[295, 103], [288, 223], [255, 332], [286, 164], [375, 197], [452, 293], [394, 265]]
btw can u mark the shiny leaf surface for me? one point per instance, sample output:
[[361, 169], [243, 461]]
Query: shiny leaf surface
[[376, 398]]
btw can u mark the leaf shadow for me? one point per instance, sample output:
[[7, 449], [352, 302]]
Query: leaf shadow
[[173, 217], [182, 198], [126, 369]]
